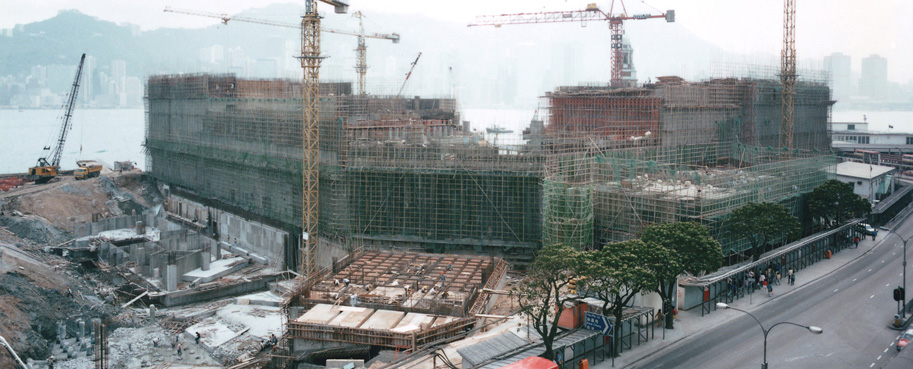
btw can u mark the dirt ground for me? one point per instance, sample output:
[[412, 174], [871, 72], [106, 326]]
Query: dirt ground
[[33, 283]]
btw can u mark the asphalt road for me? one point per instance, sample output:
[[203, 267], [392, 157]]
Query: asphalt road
[[853, 305]]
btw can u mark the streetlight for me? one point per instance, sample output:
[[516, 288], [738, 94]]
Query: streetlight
[[904, 312], [811, 328]]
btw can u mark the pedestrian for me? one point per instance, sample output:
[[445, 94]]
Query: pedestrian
[[197, 339], [856, 241], [180, 351], [762, 279], [770, 290], [777, 278], [874, 233], [792, 276], [659, 317], [729, 286]]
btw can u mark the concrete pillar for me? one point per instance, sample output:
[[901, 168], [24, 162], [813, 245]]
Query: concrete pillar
[[152, 311], [61, 330], [171, 277], [139, 254], [82, 328], [217, 249], [204, 260]]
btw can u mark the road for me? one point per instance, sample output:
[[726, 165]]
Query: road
[[853, 305]]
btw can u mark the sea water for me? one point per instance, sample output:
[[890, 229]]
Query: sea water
[[106, 135]]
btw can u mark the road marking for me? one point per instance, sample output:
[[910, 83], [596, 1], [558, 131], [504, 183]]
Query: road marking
[[882, 261], [879, 358], [887, 285], [872, 366], [870, 270], [886, 350], [872, 296], [835, 290], [854, 279]]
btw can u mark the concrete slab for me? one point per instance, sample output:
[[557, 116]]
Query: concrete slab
[[320, 314], [442, 320], [351, 317], [213, 332], [217, 269], [412, 322], [383, 319], [261, 320]]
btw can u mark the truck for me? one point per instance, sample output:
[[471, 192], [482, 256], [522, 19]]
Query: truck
[[87, 169]]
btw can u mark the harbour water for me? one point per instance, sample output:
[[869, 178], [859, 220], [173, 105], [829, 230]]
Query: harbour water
[[107, 135]]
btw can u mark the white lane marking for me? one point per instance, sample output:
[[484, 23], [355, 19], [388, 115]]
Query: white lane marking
[[872, 296], [886, 350], [872, 366], [879, 358], [835, 290], [854, 279]]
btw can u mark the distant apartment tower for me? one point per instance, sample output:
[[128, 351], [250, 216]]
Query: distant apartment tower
[[874, 79], [839, 72]]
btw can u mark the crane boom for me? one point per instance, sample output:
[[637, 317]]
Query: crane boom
[[225, 18], [592, 12], [47, 169], [409, 74]]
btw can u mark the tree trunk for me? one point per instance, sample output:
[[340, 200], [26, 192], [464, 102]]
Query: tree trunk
[[668, 315]]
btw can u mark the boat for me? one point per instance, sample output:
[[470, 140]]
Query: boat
[[497, 129]]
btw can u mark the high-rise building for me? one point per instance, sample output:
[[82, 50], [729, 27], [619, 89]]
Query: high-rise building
[[874, 80], [839, 72], [628, 72]]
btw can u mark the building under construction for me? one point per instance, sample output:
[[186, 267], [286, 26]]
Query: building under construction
[[404, 173]]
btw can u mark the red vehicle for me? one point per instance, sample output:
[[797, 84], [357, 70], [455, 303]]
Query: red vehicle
[[905, 338]]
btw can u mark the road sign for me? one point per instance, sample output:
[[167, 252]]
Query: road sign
[[598, 322]]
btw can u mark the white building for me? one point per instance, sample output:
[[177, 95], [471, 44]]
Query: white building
[[873, 182]]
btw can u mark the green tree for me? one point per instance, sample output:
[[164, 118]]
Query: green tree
[[540, 295], [691, 250], [619, 272], [762, 223], [833, 202]]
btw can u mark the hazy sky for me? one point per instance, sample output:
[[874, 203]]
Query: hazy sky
[[857, 28]]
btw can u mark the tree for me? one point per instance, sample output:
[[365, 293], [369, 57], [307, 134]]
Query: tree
[[762, 223], [834, 202], [619, 272], [691, 250], [540, 295]]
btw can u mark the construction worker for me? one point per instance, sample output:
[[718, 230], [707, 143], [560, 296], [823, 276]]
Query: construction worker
[[197, 339], [69, 292], [51, 362]]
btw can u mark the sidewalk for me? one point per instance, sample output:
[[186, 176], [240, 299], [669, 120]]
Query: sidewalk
[[692, 323]]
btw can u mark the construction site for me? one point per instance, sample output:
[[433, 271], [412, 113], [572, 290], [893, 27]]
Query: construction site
[[303, 223]]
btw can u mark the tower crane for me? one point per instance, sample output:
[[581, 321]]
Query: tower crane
[[592, 12], [48, 166], [361, 66], [788, 73]]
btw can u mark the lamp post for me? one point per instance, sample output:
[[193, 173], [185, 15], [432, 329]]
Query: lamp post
[[811, 328], [904, 312]]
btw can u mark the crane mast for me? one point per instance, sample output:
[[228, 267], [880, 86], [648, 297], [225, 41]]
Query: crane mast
[[788, 73], [47, 169]]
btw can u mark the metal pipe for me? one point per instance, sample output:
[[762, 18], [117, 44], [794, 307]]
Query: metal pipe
[[13, 353]]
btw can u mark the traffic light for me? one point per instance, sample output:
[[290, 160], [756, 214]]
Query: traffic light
[[899, 294]]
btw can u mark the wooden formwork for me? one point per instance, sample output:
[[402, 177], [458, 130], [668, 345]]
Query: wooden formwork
[[387, 338]]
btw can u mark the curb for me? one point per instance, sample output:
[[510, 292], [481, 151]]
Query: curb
[[802, 287]]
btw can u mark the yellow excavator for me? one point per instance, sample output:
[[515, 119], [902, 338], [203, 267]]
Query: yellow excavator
[[49, 165]]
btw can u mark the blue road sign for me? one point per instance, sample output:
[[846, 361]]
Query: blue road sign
[[597, 322]]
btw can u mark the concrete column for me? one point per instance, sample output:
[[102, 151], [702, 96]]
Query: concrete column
[[217, 249], [140, 256], [82, 328], [152, 311], [140, 227], [204, 260], [61, 330], [171, 278]]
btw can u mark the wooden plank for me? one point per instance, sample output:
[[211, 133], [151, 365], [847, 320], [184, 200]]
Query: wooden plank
[[134, 299]]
